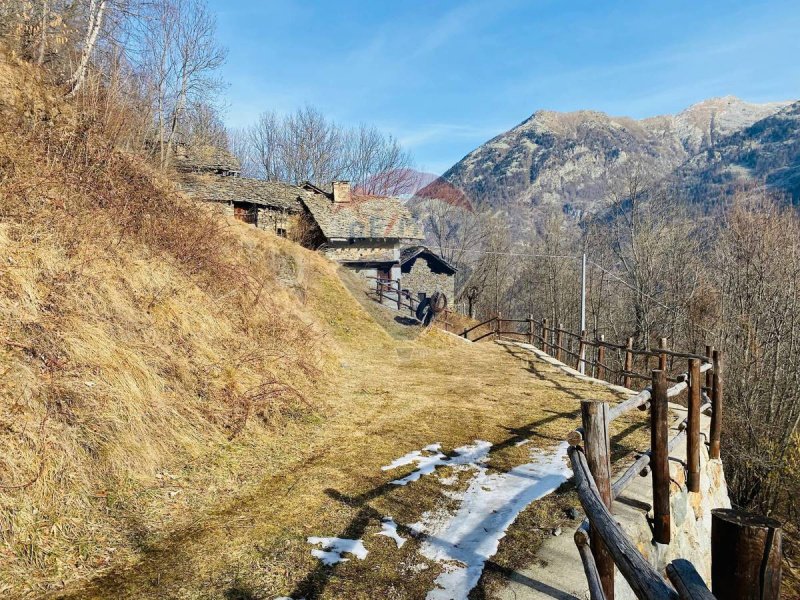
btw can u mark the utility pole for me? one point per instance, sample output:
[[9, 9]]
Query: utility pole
[[582, 361]]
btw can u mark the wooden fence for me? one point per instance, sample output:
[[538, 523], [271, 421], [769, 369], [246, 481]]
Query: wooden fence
[[593, 355], [746, 549], [602, 545]]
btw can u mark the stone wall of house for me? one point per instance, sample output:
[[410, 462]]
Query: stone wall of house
[[423, 279], [374, 250], [276, 221]]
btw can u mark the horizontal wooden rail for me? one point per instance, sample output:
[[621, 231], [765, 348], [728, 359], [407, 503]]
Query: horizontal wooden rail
[[645, 581], [485, 335], [643, 461], [687, 581], [474, 327]]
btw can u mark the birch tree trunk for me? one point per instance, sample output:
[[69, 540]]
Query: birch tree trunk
[[97, 10]]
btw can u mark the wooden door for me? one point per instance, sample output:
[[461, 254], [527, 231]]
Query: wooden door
[[244, 212]]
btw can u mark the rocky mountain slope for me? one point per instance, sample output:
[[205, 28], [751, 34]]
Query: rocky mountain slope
[[767, 151], [571, 160]]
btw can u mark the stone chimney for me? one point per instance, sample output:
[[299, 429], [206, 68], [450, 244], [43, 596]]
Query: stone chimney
[[341, 192]]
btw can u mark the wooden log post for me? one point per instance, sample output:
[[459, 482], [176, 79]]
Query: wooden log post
[[601, 359], [379, 283], [693, 429], [659, 460], [745, 556], [559, 341], [582, 354], [530, 329], [710, 373], [628, 364], [645, 581], [716, 406], [399, 296], [662, 358], [544, 336], [594, 415], [497, 321], [589, 565], [687, 581]]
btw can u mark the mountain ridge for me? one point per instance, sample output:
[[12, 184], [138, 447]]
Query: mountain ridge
[[569, 159]]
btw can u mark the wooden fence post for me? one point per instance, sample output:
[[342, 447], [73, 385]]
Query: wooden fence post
[[662, 358], [379, 284], [745, 556], [659, 461], [628, 364], [693, 430], [544, 336], [594, 415], [582, 354], [559, 341], [530, 329], [497, 321], [399, 295], [709, 373], [601, 359], [716, 406]]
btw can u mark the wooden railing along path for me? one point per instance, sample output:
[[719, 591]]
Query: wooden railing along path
[[749, 552], [745, 549]]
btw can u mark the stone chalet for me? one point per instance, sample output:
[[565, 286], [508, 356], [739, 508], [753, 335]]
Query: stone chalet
[[212, 175], [362, 232], [424, 272]]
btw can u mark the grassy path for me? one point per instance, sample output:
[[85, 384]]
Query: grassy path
[[329, 481]]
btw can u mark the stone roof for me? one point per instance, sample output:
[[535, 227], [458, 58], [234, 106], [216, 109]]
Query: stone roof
[[210, 159], [273, 194], [363, 217], [412, 252]]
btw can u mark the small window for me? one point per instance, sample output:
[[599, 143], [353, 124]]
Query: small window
[[281, 231]]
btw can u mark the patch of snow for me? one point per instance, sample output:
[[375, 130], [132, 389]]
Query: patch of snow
[[413, 456], [472, 454], [521, 443], [333, 548], [389, 529], [462, 542], [449, 480]]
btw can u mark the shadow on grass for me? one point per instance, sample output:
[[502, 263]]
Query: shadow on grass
[[313, 584]]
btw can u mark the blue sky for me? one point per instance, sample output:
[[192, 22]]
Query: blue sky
[[445, 76]]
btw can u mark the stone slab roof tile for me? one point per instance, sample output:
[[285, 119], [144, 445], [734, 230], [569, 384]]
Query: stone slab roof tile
[[273, 194], [411, 252], [363, 217], [190, 158]]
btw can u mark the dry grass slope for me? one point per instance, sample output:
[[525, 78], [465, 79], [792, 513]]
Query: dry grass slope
[[148, 345], [185, 398]]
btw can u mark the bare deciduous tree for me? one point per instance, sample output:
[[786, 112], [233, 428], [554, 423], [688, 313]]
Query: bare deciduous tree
[[307, 146]]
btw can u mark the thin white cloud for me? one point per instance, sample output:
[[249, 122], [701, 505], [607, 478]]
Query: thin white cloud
[[411, 138]]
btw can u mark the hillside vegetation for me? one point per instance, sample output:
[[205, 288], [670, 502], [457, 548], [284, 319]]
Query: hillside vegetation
[[186, 398], [148, 345]]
